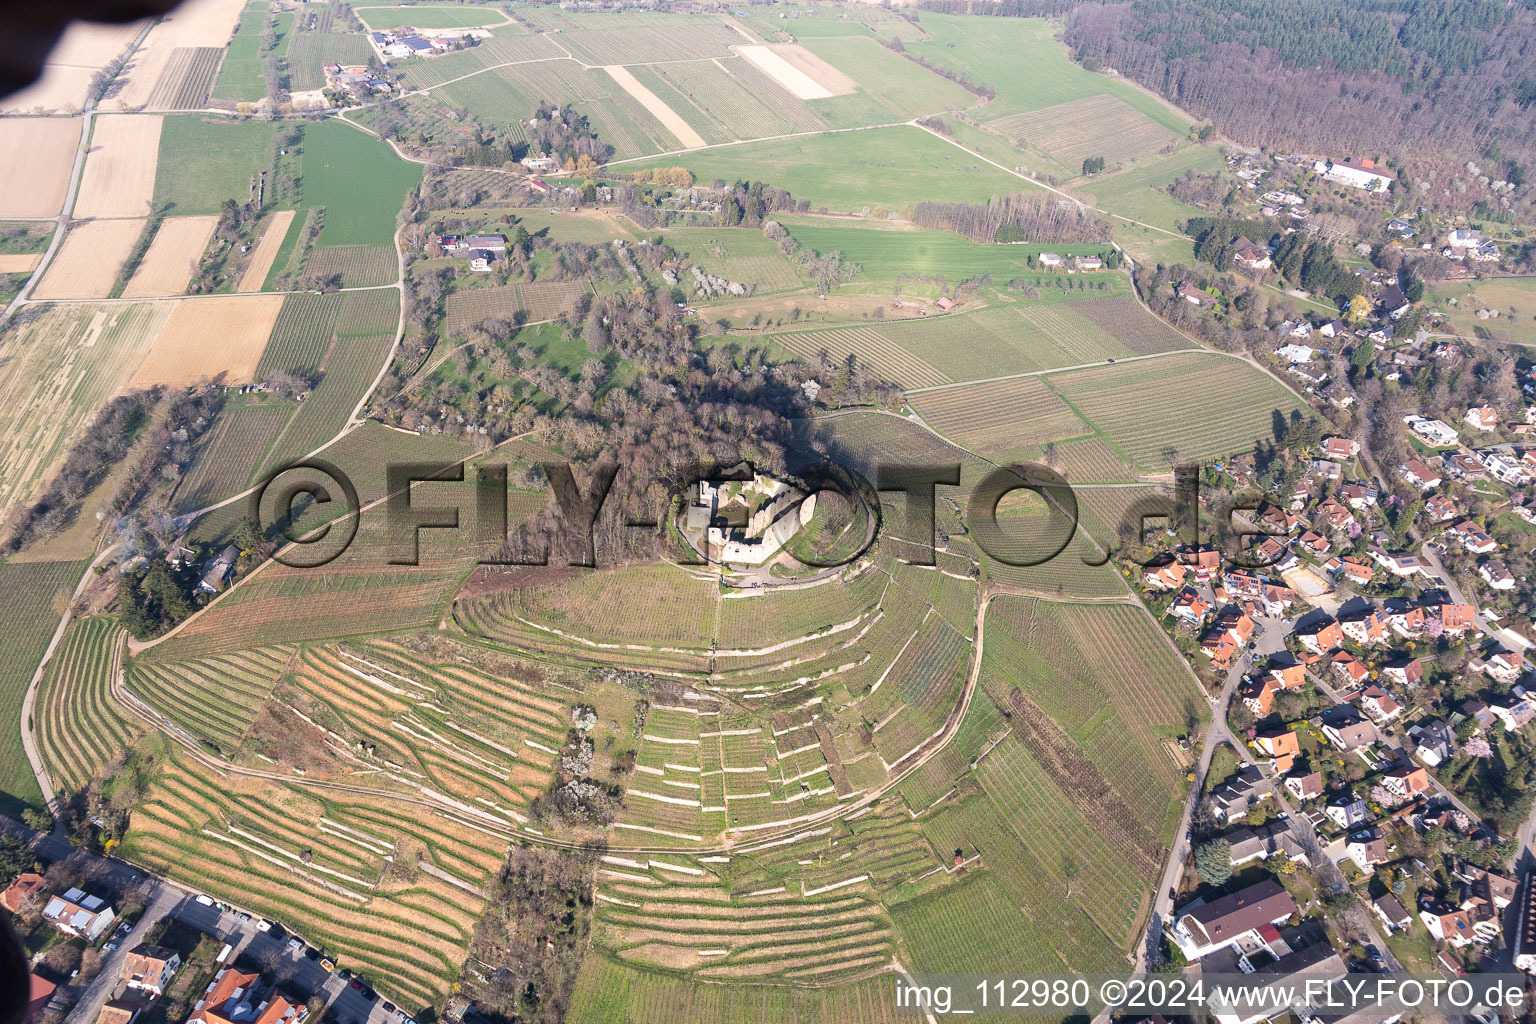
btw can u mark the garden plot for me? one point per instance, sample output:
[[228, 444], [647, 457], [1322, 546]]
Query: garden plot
[[119, 178], [35, 158], [173, 257]]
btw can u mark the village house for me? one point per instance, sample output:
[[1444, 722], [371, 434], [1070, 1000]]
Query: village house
[[1305, 787], [1362, 173], [1367, 630], [1356, 572], [1340, 448], [1334, 328], [1501, 666], [1314, 544], [1325, 471], [1088, 263], [1276, 520], [1336, 516], [1434, 742], [1404, 671], [1230, 634], [1359, 496], [28, 888], [1297, 353], [1347, 810], [1367, 849], [1456, 619], [1321, 636], [1346, 728], [1503, 465], [219, 570], [1515, 711], [1472, 537], [1482, 417], [1434, 433], [1234, 798], [1309, 373], [1420, 475], [1406, 782], [1251, 257], [1379, 705], [1202, 928], [1300, 329], [1164, 577], [1497, 575], [1278, 743], [77, 913], [1472, 922], [1484, 884], [1202, 561], [1265, 841], [1392, 303], [1190, 607], [233, 998], [150, 968], [1350, 669], [1392, 913], [1441, 508], [1338, 394]]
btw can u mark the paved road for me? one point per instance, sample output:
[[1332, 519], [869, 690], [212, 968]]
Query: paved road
[[301, 976]]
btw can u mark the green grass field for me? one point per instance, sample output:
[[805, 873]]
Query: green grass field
[[1132, 193], [1022, 59], [903, 88], [34, 596], [241, 79], [885, 252], [1514, 298], [426, 16], [358, 180], [206, 160], [847, 171]]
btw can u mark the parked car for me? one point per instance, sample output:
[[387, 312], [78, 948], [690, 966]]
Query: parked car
[[242, 916], [295, 944], [389, 1007], [205, 900], [263, 925], [368, 993], [328, 964]]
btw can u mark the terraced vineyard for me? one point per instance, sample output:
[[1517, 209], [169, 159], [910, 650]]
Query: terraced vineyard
[[78, 725], [36, 594], [213, 699], [318, 866]]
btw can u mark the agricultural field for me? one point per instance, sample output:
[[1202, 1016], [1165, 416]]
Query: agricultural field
[[603, 39], [727, 99], [1179, 407], [846, 172], [35, 595], [359, 209], [79, 726], [1136, 193], [208, 337], [87, 264], [745, 256], [993, 342], [240, 79], [540, 300], [59, 367], [187, 80], [1001, 421], [34, 172], [355, 266], [273, 234], [1094, 126], [310, 52], [427, 74], [886, 251], [206, 160], [228, 457], [119, 177], [428, 16], [1023, 60], [173, 257], [889, 84]]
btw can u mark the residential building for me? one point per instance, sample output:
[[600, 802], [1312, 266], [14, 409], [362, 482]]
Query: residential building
[[1309, 373], [1264, 842], [1336, 516], [80, 914], [1392, 913], [1190, 607], [150, 968], [1441, 507], [1350, 669], [1367, 849], [1516, 712], [1482, 417], [1420, 475], [1296, 353], [1367, 630], [1432, 432], [1164, 577], [1314, 544], [1347, 810], [1474, 921], [28, 888], [1377, 703], [1202, 928], [1248, 256], [1305, 787], [1202, 561], [1230, 634], [219, 571], [1346, 728], [1359, 496], [1404, 671], [1497, 575], [1500, 665], [1321, 636], [1232, 799], [1406, 782], [235, 997], [1496, 889], [1472, 537], [1434, 742], [1524, 952]]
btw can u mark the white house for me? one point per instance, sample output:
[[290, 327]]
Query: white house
[[1202, 928], [1482, 417], [1433, 432], [1294, 353], [1362, 174]]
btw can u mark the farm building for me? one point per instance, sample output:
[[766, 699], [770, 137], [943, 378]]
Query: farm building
[[1361, 174]]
